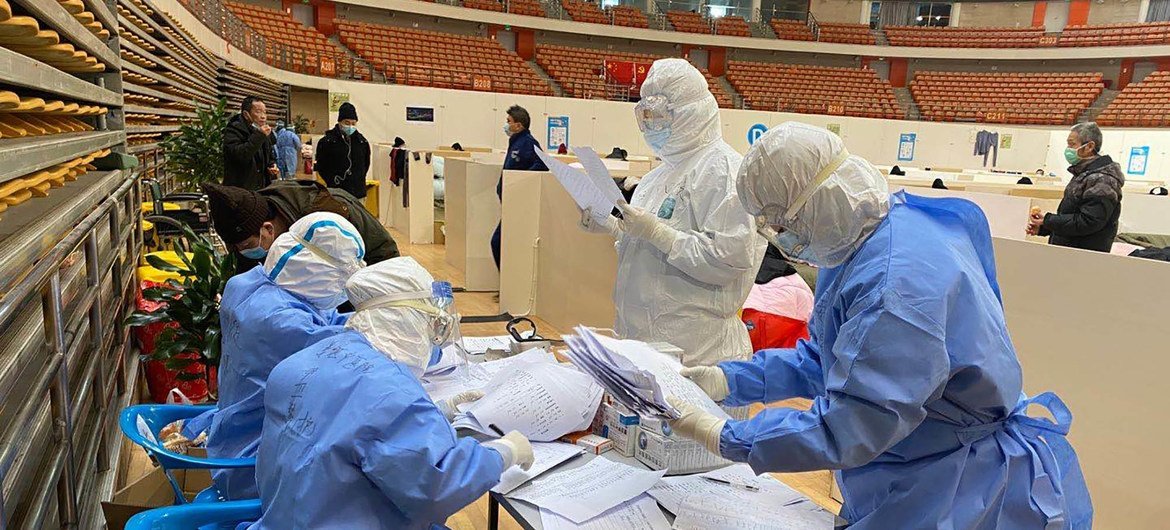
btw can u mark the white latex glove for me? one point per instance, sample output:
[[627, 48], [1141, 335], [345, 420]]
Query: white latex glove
[[515, 449], [450, 406], [609, 226], [697, 425], [710, 378], [645, 225]]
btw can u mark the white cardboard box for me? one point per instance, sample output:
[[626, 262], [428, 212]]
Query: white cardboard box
[[619, 425], [675, 454]]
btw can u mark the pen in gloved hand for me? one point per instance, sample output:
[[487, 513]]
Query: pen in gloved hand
[[748, 487]]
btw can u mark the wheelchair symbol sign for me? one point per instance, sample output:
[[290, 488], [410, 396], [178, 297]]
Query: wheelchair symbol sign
[[755, 131]]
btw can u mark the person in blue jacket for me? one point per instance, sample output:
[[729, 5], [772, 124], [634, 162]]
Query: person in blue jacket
[[351, 440], [915, 384], [520, 156], [266, 315], [288, 150]]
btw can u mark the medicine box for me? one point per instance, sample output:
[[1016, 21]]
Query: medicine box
[[595, 444], [619, 425], [675, 454]]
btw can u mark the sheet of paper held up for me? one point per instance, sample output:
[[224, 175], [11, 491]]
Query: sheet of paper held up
[[638, 376], [478, 375], [590, 190], [582, 493], [543, 401], [641, 513], [546, 456]]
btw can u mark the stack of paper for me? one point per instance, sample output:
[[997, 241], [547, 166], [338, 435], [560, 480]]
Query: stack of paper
[[546, 456], [636, 375], [543, 401], [701, 504], [478, 345], [478, 375], [592, 189], [586, 492], [642, 513]]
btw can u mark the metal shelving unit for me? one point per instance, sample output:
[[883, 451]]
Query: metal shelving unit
[[236, 83]]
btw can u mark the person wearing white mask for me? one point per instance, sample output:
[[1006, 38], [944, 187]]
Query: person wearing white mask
[[351, 439], [687, 249], [267, 314], [916, 388]]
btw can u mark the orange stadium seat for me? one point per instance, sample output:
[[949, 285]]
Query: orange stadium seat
[[687, 22], [305, 49], [732, 26], [629, 16], [1143, 104], [813, 89], [791, 29], [845, 33], [585, 12], [1019, 98], [485, 5], [1132, 34], [931, 37], [581, 72], [444, 60], [531, 8]]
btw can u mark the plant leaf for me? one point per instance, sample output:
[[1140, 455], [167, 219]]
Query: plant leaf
[[161, 264]]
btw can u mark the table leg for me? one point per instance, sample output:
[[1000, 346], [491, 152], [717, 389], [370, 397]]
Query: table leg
[[493, 513]]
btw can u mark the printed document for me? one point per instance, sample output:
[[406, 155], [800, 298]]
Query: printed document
[[582, 493]]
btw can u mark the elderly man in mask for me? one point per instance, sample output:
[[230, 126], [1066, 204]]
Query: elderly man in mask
[[268, 314], [687, 249], [915, 384], [351, 439]]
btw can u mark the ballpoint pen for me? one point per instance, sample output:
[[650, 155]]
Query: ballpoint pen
[[748, 487]]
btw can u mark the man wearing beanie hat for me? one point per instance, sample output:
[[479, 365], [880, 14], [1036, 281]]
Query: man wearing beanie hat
[[249, 221], [343, 155]]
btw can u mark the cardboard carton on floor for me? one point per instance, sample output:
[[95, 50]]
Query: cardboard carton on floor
[[153, 490]]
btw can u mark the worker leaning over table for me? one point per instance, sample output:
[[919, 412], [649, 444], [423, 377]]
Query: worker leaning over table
[[687, 250], [915, 384], [351, 440]]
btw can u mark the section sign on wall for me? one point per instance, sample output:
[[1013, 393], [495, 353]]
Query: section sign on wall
[[755, 132], [1138, 158], [336, 99], [906, 146], [558, 132]]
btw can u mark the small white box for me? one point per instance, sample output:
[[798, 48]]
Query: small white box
[[674, 454], [595, 444], [618, 425]]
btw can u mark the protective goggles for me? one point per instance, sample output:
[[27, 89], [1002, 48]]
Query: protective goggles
[[653, 114], [444, 324]]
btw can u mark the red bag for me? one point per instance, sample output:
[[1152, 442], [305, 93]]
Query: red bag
[[159, 379], [773, 331]]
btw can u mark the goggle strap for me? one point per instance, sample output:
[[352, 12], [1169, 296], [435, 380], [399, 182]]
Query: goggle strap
[[819, 179]]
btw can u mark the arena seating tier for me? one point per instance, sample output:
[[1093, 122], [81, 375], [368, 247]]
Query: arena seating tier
[[581, 72], [813, 89], [1135, 34], [791, 29], [964, 37], [687, 22], [585, 11], [732, 26], [629, 16], [304, 47], [846, 33], [1021, 98], [429, 58], [485, 5], [1143, 104]]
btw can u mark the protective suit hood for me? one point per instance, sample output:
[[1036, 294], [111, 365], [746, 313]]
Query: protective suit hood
[[694, 121], [801, 178], [401, 333], [315, 257]]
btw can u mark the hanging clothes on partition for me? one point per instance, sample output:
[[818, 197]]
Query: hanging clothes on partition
[[987, 142], [400, 169]]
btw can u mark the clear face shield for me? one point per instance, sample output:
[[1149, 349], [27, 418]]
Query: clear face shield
[[653, 114], [448, 355]]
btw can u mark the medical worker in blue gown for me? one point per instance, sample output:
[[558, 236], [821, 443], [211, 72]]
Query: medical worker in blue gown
[[266, 315], [351, 440], [915, 384]]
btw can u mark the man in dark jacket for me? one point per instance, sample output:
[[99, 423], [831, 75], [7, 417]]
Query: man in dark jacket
[[249, 221], [1088, 214], [343, 154], [520, 156], [249, 160]]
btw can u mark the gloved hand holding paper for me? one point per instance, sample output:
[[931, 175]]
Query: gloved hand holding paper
[[593, 189]]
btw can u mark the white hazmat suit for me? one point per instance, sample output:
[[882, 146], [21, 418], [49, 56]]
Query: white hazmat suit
[[689, 252]]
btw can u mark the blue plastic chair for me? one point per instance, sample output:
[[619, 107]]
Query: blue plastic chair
[[159, 416], [192, 516]]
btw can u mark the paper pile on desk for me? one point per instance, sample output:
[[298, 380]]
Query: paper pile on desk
[[642, 513], [479, 375], [700, 504], [546, 456], [592, 189], [636, 375], [585, 492], [543, 401]]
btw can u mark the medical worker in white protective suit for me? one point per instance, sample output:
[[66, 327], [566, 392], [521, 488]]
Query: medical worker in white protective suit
[[351, 440], [687, 250], [915, 384]]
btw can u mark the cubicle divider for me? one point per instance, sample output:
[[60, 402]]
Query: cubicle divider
[[472, 213]]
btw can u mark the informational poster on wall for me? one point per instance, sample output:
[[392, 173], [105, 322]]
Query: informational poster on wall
[[336, 99], [420, 115], [1005, 141], [558, 132], [834, 128], [1138, 160], [906, 143]]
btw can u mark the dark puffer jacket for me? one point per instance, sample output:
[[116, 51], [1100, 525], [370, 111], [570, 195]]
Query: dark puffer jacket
[[1088, 213]]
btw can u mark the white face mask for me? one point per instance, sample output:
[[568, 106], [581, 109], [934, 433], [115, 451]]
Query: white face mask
[[507, 130]]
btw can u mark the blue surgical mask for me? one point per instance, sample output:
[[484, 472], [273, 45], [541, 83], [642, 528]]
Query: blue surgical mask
[[436, 356], [348, 129], [791, 246], [657, 139], [254, 253]]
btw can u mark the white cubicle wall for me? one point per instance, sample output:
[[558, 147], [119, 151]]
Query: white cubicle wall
[[472, 213]]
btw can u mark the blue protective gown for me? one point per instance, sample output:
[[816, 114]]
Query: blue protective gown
[[916, 389], [262, 324], [351, 440]]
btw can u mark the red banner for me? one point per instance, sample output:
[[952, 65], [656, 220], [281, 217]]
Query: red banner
[[481, 82], [626, 72]]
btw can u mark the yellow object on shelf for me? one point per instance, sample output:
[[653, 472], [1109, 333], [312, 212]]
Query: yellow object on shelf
[[151, 274], [170, 257], [371, 200], [148, 207]]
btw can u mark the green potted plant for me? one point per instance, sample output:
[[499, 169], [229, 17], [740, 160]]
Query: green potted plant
[[195, 153], [300, 124], [186, 350]]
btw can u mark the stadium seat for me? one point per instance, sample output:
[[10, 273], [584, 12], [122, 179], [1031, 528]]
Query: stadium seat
[[1017, 98], [1142, 104], [813, 89]]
